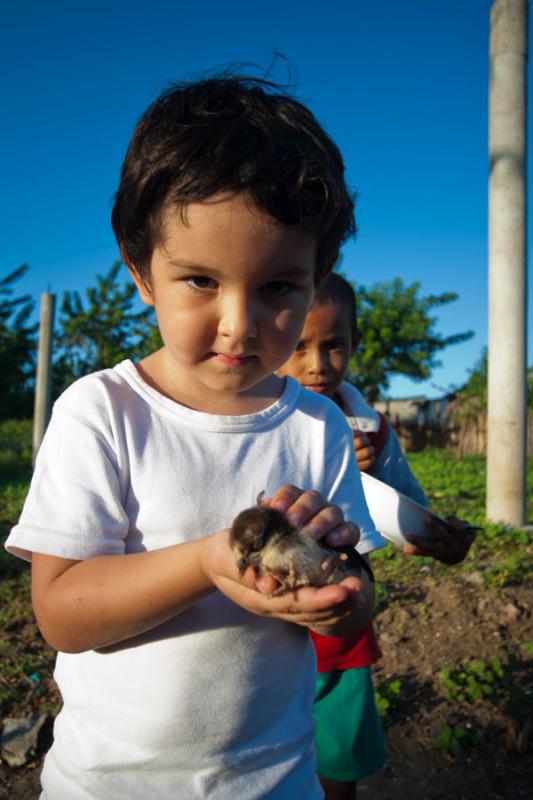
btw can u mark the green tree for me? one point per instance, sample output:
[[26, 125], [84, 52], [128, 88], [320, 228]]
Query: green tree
[[17, 349], [101, 330], [398, 335], [474, 392]]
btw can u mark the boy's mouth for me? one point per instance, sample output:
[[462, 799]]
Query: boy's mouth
[[233, 361], [319, 388]]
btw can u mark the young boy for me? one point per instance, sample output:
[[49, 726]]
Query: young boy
[[349, 738], [178, 678]]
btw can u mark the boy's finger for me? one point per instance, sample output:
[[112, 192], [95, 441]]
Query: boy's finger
[[265, 584], [346, 534], [310, 600], [364, 464], [418, 549], [362, 443], [311, 505], [317, 520], [284, 498]]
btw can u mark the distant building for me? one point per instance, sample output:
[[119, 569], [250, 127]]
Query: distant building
[[417, 411]]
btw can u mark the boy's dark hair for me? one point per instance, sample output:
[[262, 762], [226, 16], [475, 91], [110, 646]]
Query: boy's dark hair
[[231, 134], [337, 290]]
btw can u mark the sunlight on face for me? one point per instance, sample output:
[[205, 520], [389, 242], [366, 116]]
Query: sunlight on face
[[321, 358], [231, 288]]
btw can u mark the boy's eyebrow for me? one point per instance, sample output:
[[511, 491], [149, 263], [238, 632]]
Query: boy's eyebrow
[[294, 270], [182, 263]]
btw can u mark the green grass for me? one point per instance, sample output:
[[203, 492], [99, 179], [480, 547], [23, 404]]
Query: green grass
[[15, 447], [457, 487]]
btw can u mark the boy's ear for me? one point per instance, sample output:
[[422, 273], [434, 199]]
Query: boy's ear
[[144, 289], [356, 338]]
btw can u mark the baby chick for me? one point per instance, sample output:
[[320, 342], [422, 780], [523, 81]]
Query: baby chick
[[263, 538]]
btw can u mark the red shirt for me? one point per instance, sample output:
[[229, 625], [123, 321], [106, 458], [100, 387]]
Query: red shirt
[[359, 650]]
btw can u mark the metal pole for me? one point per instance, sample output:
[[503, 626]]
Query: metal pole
[[507, 406], [43, 381]]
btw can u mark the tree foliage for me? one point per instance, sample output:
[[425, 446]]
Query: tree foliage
[[17, 349], [475, 391], [105, 325], [398, 335], [102, 329]]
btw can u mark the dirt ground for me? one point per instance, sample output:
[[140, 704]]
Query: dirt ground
[[439, 623], [442, 625]]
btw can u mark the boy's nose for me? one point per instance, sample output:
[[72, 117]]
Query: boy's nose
[[318, 363], [238, 318]]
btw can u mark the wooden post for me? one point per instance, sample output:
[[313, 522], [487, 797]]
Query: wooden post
[[43, 380]]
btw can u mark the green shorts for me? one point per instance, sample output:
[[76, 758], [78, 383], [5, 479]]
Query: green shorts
[[349, 739]]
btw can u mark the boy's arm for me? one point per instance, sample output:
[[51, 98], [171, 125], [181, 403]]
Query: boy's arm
[[391, 467], [84, 605], [449, 545]]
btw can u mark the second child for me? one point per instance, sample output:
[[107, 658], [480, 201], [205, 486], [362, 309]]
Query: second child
[[349, 737]]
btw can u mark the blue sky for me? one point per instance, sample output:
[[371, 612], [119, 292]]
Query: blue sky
[[401, 86]]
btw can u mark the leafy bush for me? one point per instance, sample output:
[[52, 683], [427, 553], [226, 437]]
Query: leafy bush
[[473, 681], [15, 445], [454, 739], [387, 694]]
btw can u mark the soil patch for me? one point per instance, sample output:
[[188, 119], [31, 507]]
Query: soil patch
[[426, 625]]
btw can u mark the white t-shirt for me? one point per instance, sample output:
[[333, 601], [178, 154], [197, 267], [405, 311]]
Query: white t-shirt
[[215, 703], [391, 465]]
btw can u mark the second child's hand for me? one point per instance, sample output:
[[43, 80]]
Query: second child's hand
[[364, 451], [450, 544]]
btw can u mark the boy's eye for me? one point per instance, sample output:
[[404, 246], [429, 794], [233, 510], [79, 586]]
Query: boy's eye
[[201, 282], [276, 289], [299, 347], [336, 345]]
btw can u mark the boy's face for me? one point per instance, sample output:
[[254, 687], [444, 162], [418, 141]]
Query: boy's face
[[231, 288], [320, 361]]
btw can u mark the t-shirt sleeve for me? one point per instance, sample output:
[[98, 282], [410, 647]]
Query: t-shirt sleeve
[[74, 508], [392, 468], [346, 489]]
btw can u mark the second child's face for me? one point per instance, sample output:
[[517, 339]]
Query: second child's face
[[320, 361], [231, 288]]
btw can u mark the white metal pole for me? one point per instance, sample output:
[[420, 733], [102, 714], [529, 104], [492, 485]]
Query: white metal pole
[[507, 407]]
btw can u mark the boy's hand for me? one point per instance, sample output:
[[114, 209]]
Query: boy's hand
[[309, 511], [322, 608], [450, 544], [364, 451]]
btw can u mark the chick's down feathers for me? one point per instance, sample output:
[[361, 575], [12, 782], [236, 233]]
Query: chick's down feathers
[[263, 538]]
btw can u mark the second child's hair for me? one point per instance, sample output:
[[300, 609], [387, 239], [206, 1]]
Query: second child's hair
[[234, 134], [337, 290]]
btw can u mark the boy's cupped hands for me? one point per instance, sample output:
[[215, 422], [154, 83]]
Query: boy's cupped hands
[[336, 610]]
